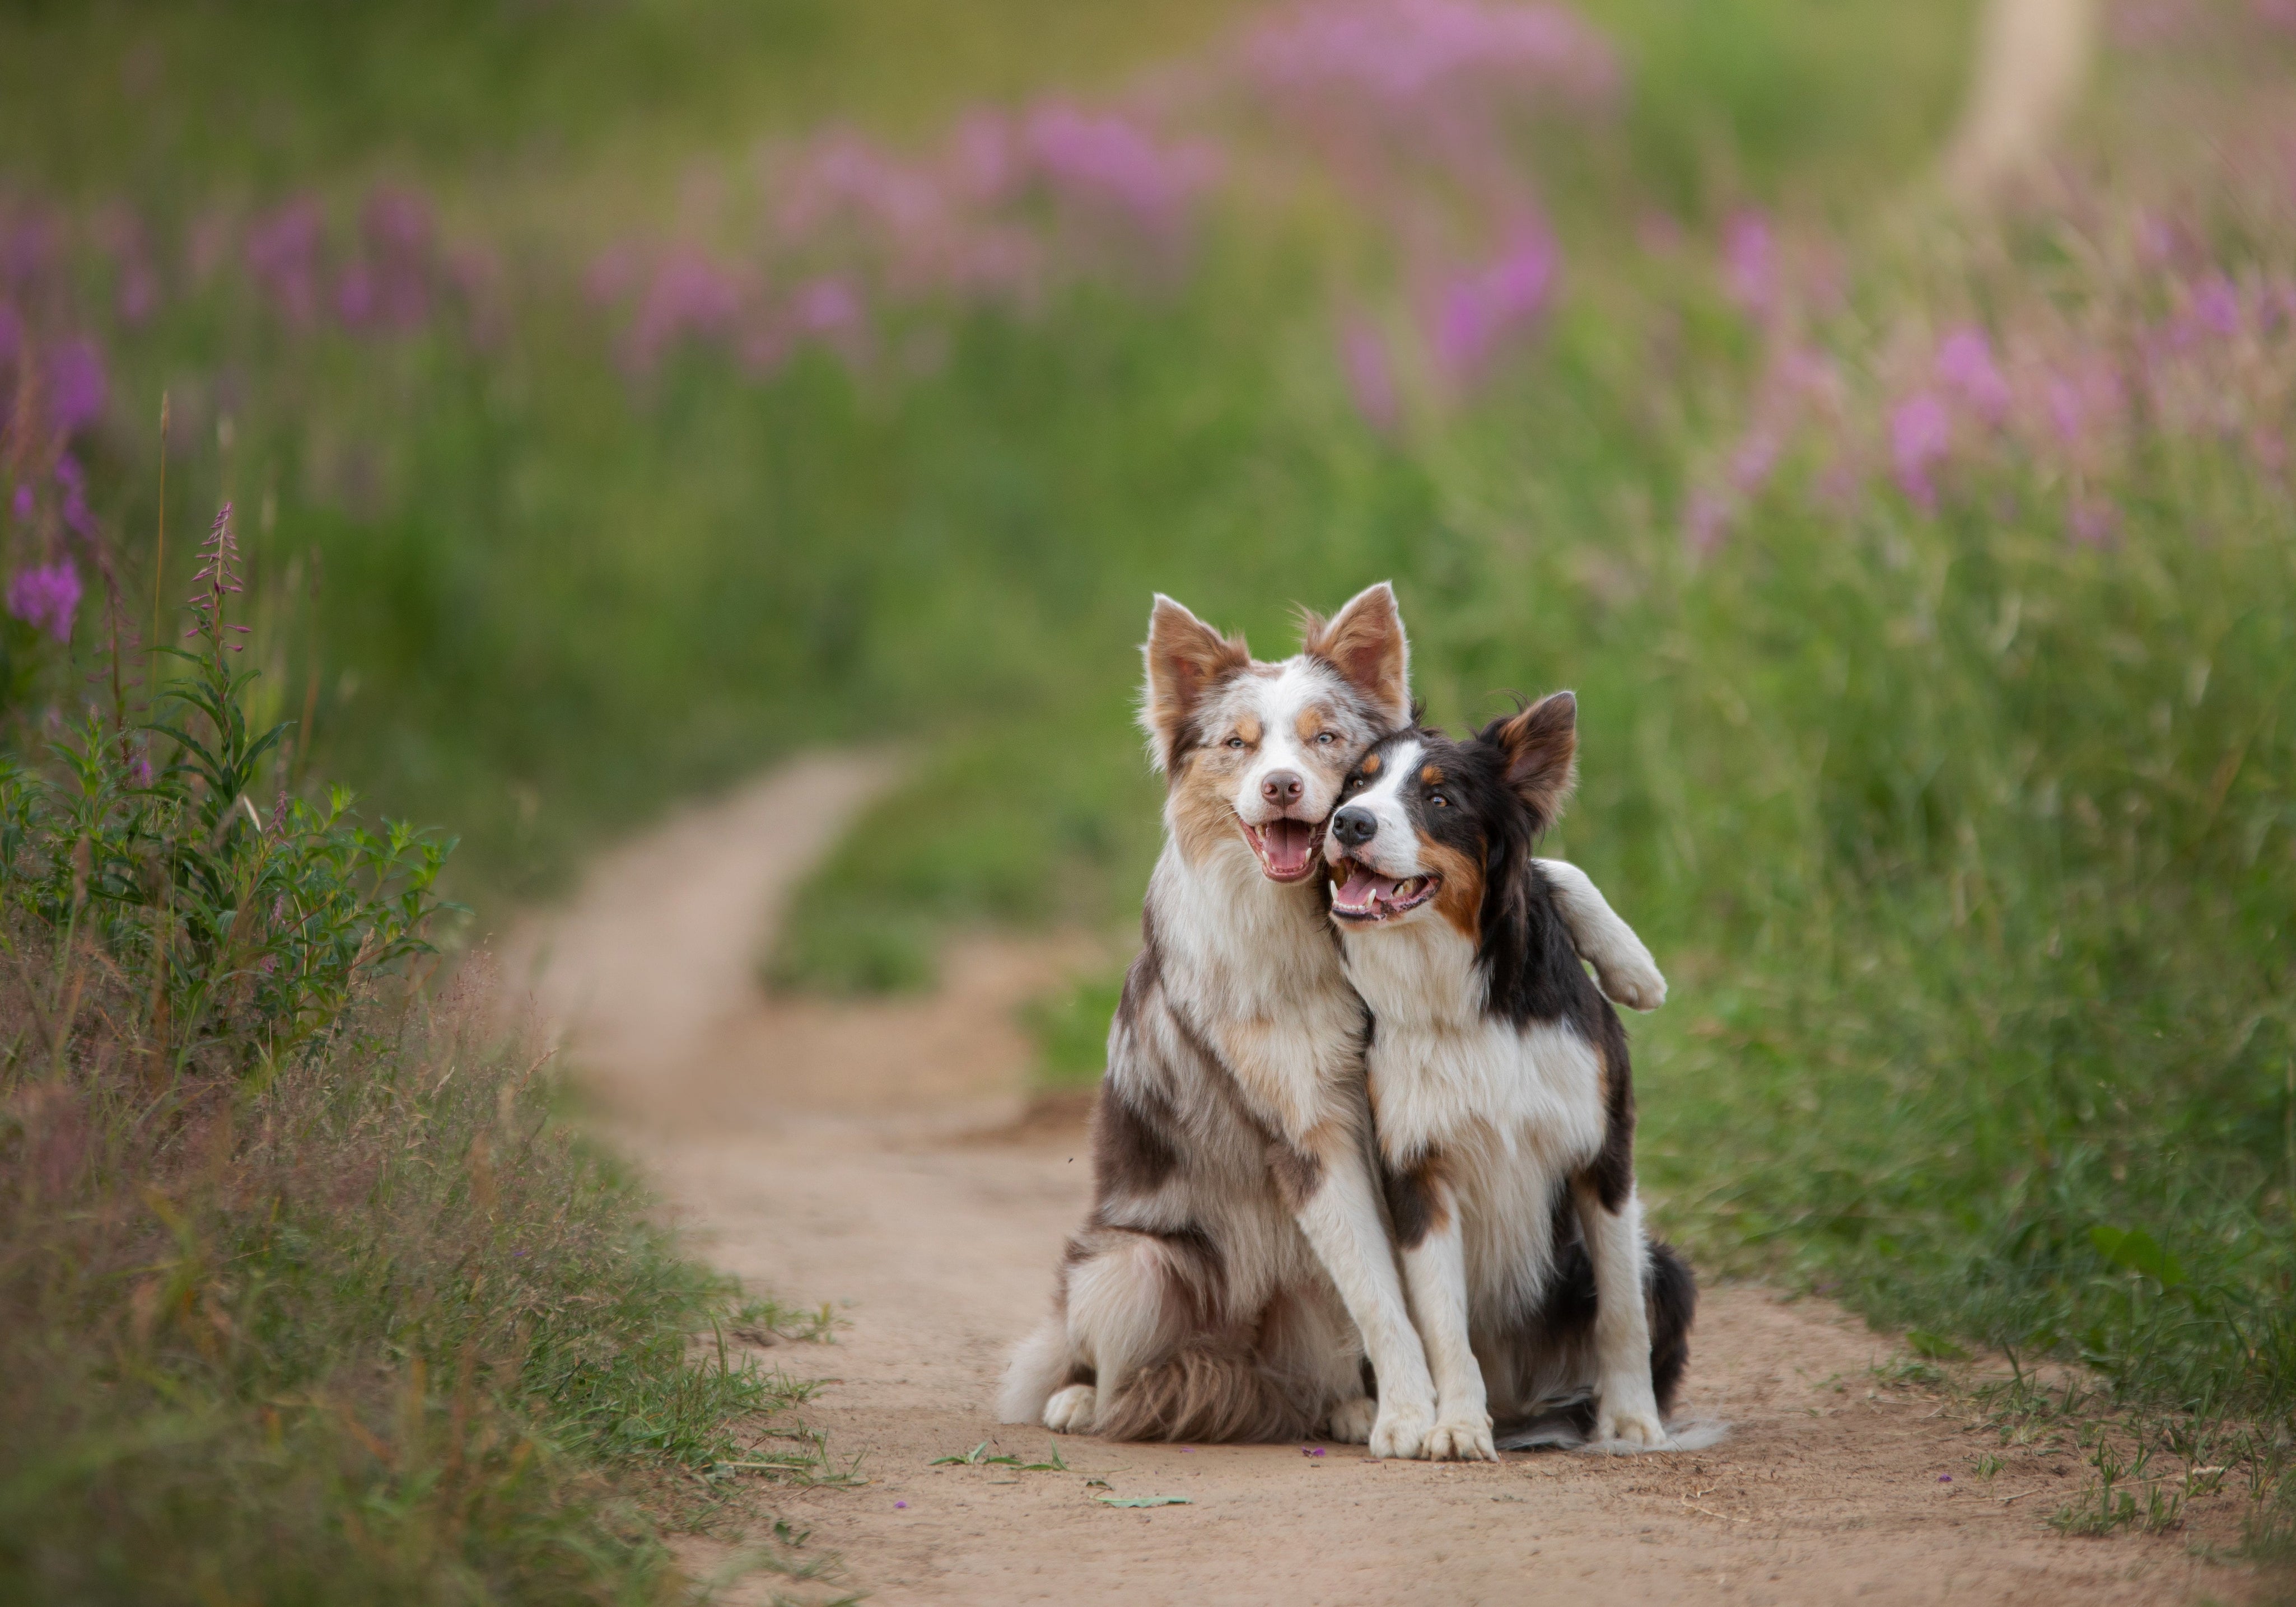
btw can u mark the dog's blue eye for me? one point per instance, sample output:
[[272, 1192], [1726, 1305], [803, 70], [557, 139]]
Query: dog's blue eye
[[1235, 741], [1328, 736]]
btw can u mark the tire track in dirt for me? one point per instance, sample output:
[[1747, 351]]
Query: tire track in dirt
[[868, 1155]]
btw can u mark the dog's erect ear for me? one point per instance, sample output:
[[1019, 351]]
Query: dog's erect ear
[[1186, 658], [1541, 745], [1364, 643]]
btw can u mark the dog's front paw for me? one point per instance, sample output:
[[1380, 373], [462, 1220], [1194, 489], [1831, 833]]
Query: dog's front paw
[[1631, 979], [1464, 1438], [1072, 1410], [1401, 1430], [1629, 1416], [1350, 1422]]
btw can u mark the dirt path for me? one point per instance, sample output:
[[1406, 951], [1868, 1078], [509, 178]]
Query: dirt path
[[2032, 59], [833, 1151]]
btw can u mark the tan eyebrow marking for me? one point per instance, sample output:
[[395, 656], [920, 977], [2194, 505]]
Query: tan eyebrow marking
[[1248, 729], [1431, 776], [1311, 721], [1370, 764]]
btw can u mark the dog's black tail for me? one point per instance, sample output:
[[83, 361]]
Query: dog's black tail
[[1670, 1297]]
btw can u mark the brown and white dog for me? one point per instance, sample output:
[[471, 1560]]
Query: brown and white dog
[[1501, 1094], [1236, 1267]]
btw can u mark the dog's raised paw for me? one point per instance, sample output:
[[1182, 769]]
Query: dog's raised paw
[[1072, 1410], [1632, 980], [1350, 1422], [1462, 1440]]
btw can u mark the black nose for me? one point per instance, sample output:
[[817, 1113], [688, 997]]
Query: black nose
[[1281, 787], [1354, 826]]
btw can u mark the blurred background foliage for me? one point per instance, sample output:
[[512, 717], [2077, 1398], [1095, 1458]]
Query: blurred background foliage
[[620, 395]]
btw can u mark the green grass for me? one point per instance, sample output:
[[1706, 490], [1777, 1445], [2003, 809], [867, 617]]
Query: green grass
[[380, 1328]]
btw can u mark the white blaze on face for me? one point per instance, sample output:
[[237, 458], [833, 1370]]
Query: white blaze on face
[[1289, 745], [1382, 873]]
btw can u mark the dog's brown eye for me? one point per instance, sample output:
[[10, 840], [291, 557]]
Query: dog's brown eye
[[1439, 801]]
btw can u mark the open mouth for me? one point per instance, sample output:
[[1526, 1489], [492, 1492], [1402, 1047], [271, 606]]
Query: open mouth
[[1287, 848], [1362, 894]]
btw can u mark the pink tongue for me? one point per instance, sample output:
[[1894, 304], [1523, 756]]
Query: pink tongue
[[1363, 886], [1286, 842]]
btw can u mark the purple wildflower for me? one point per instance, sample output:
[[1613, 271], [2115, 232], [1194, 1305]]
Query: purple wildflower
[[1108, 160], [827, 306], [73, 479], [1474, 312], [283, 253], [1421, 53], [1920, 434], [356, 298], [2216, 304], [395, 226], [1371, 379], [1705, 519], [77, 388], [688, 297], [1965, 366], [45, 597], [2090, 521], [1750, 262]]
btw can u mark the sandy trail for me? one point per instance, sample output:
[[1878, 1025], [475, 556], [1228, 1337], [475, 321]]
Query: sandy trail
[[2032, 59], [838, 1153]]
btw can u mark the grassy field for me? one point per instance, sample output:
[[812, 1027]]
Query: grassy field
[[1926, 580]]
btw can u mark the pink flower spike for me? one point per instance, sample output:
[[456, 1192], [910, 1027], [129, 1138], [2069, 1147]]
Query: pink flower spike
[[1705, 520], [1920, 434], [898, 1504], [1750, 262], [45, 597], [1965, 366]]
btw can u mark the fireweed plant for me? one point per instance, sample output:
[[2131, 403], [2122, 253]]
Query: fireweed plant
[[307, 1293]]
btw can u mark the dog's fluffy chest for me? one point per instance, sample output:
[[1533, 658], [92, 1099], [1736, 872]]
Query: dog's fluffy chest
[[1261, 977], [1449, 1075]]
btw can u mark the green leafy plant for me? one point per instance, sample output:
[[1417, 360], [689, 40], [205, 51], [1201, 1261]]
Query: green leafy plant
[[258, 928]]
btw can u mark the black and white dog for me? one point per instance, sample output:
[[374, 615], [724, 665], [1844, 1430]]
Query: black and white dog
[[1235, 1269], [1501, 1094]]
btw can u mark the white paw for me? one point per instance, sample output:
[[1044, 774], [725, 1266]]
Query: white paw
[[1350, 1422], [1632, 1421], [1401, 1430], [1631, 979], [1072, 1410], [1464, 1438]]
